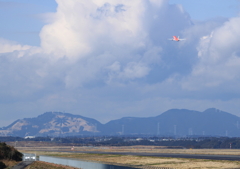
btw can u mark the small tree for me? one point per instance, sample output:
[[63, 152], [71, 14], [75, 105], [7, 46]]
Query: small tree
[[2, 165], [9, 153]]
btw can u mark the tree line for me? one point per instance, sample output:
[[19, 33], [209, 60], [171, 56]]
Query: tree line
[[207, 142]]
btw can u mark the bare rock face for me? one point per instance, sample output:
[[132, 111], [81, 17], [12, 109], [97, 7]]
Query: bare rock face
[[52, 124]]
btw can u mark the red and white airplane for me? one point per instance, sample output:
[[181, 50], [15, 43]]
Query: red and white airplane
[[175, 38]]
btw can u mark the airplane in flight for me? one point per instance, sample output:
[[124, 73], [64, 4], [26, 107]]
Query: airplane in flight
[[175, 38]]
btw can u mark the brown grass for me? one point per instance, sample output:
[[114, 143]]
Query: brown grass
[[50, 146], [139, 149], [44, 165], [140, 162], [9, 163], [145, 162]]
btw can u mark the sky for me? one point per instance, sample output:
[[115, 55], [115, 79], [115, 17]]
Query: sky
[[108, 59]]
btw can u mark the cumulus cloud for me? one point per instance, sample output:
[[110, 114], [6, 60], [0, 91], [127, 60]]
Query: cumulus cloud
[[7, 46], [112, 56], [219, 60], [106, 32], [82, 26]]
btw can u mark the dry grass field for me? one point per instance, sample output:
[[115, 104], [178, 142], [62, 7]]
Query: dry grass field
[[146, 162], [44, 165], [139, 161], [41, 148], [141, 149]]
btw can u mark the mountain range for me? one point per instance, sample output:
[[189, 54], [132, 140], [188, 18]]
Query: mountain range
[[174, 122]]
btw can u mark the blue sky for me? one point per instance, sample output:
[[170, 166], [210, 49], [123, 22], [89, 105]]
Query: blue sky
[[21, 21], [203, 10], [108, 59]]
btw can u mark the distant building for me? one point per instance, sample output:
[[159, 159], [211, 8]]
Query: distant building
[[152, 140], [29, 137]]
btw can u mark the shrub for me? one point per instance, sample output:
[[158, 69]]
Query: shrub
[[9, 153], [2, 165]]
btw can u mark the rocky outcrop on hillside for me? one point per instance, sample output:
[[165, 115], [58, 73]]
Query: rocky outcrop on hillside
[[52, 124]]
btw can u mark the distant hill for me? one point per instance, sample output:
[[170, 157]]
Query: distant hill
[[179, 122], [174, 122], [52, 124]]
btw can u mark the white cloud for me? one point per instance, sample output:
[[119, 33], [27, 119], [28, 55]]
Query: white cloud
[[82, 27], [101, 33], [7, 46], [219, 60], [131, 71], [112, 57]]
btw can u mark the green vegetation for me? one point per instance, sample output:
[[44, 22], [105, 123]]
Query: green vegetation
[[9, 153], [198, 143], [2, 165]]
